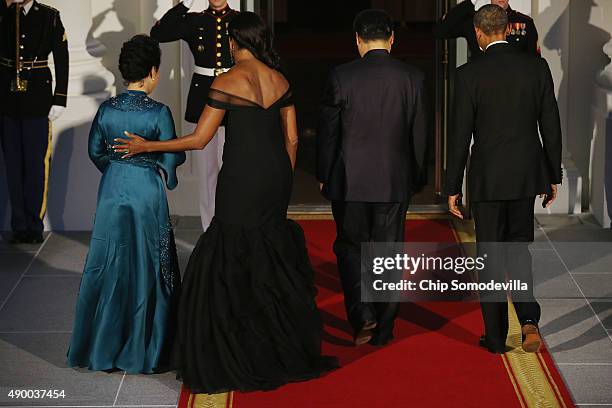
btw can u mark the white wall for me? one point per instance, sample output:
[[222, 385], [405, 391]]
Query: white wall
[[573, 34]]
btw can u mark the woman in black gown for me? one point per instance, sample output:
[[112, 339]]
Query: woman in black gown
[[247, 316]]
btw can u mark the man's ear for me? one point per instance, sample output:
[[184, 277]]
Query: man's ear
[[392, 39], [508, 30], [357, 40]]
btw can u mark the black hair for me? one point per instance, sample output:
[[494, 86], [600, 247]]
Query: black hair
[[249, 31], [491, 19], [373, 24], [138, 56]]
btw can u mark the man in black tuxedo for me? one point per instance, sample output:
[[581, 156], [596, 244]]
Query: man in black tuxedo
[[509, 165], [371, 144]]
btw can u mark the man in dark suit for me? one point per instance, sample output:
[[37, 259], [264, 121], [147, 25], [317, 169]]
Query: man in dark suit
[[458, 22], [509, 165], [370, 158]]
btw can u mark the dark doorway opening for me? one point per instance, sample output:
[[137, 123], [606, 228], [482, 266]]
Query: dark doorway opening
[[313, 37]]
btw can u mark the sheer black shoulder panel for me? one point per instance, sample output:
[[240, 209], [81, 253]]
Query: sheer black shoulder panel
[[286, 99], [223, 100]]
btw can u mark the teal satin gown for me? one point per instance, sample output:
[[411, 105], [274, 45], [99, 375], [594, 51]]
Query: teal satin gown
[[126, 307]]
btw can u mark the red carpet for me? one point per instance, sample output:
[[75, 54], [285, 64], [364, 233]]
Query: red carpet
[[434, 360]]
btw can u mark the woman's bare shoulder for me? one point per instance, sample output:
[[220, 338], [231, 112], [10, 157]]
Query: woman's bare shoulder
[[281, 81], [231, 81]]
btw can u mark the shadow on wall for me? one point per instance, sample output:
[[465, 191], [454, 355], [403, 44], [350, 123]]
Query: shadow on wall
[[608, 166], [71, 185], [65, 157], [126, 12], [5, 211], [582, 58]]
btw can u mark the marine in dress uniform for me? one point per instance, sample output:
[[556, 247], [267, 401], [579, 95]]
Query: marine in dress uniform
[[459, 22], [206, 34], [29, 104]]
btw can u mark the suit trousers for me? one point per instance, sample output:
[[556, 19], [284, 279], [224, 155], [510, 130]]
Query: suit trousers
[[510, 222], [357, 223], [26, 145]]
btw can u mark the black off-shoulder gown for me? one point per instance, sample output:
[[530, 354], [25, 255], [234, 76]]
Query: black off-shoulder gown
[[247, 317]]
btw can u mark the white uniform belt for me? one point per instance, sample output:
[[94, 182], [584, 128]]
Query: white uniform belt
[[212, 72]]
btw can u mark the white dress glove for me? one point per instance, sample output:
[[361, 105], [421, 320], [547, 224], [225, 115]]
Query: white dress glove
[[55, 112], [188, 3], [473, 2]]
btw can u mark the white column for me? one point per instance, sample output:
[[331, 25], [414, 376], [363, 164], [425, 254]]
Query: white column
[[74, 180]]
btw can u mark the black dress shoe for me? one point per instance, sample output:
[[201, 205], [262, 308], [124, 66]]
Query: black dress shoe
[[34, 238], [365, 334], [380, 339], [495, 350], [19, 237]]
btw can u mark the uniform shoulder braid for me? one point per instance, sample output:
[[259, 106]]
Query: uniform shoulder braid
[[48, 7], [514, 15]]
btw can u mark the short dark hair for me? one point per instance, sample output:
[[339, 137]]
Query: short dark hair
[[373, 25], [491, 19], [138, 56]]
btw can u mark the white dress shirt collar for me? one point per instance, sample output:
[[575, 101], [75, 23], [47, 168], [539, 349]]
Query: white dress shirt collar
[[27, 7], [496, 42]]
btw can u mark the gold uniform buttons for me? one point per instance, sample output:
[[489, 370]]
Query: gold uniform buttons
[[218, 20], [218, 28], [218, 35], [218, 54], [218, 63], [218, 45]]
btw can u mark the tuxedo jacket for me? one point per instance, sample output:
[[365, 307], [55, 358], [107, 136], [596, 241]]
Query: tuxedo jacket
[[502, 99], [371, 138]]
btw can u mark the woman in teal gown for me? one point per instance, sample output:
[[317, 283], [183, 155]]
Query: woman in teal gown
[[126, 308]]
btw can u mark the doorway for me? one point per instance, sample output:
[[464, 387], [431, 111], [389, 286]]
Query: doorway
[[313, 39]]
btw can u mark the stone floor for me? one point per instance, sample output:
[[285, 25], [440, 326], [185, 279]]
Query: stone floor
[[38, 286]]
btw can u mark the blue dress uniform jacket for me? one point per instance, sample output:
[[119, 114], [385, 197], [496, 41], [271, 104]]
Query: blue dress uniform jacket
[[207, 37], [42, 33]]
